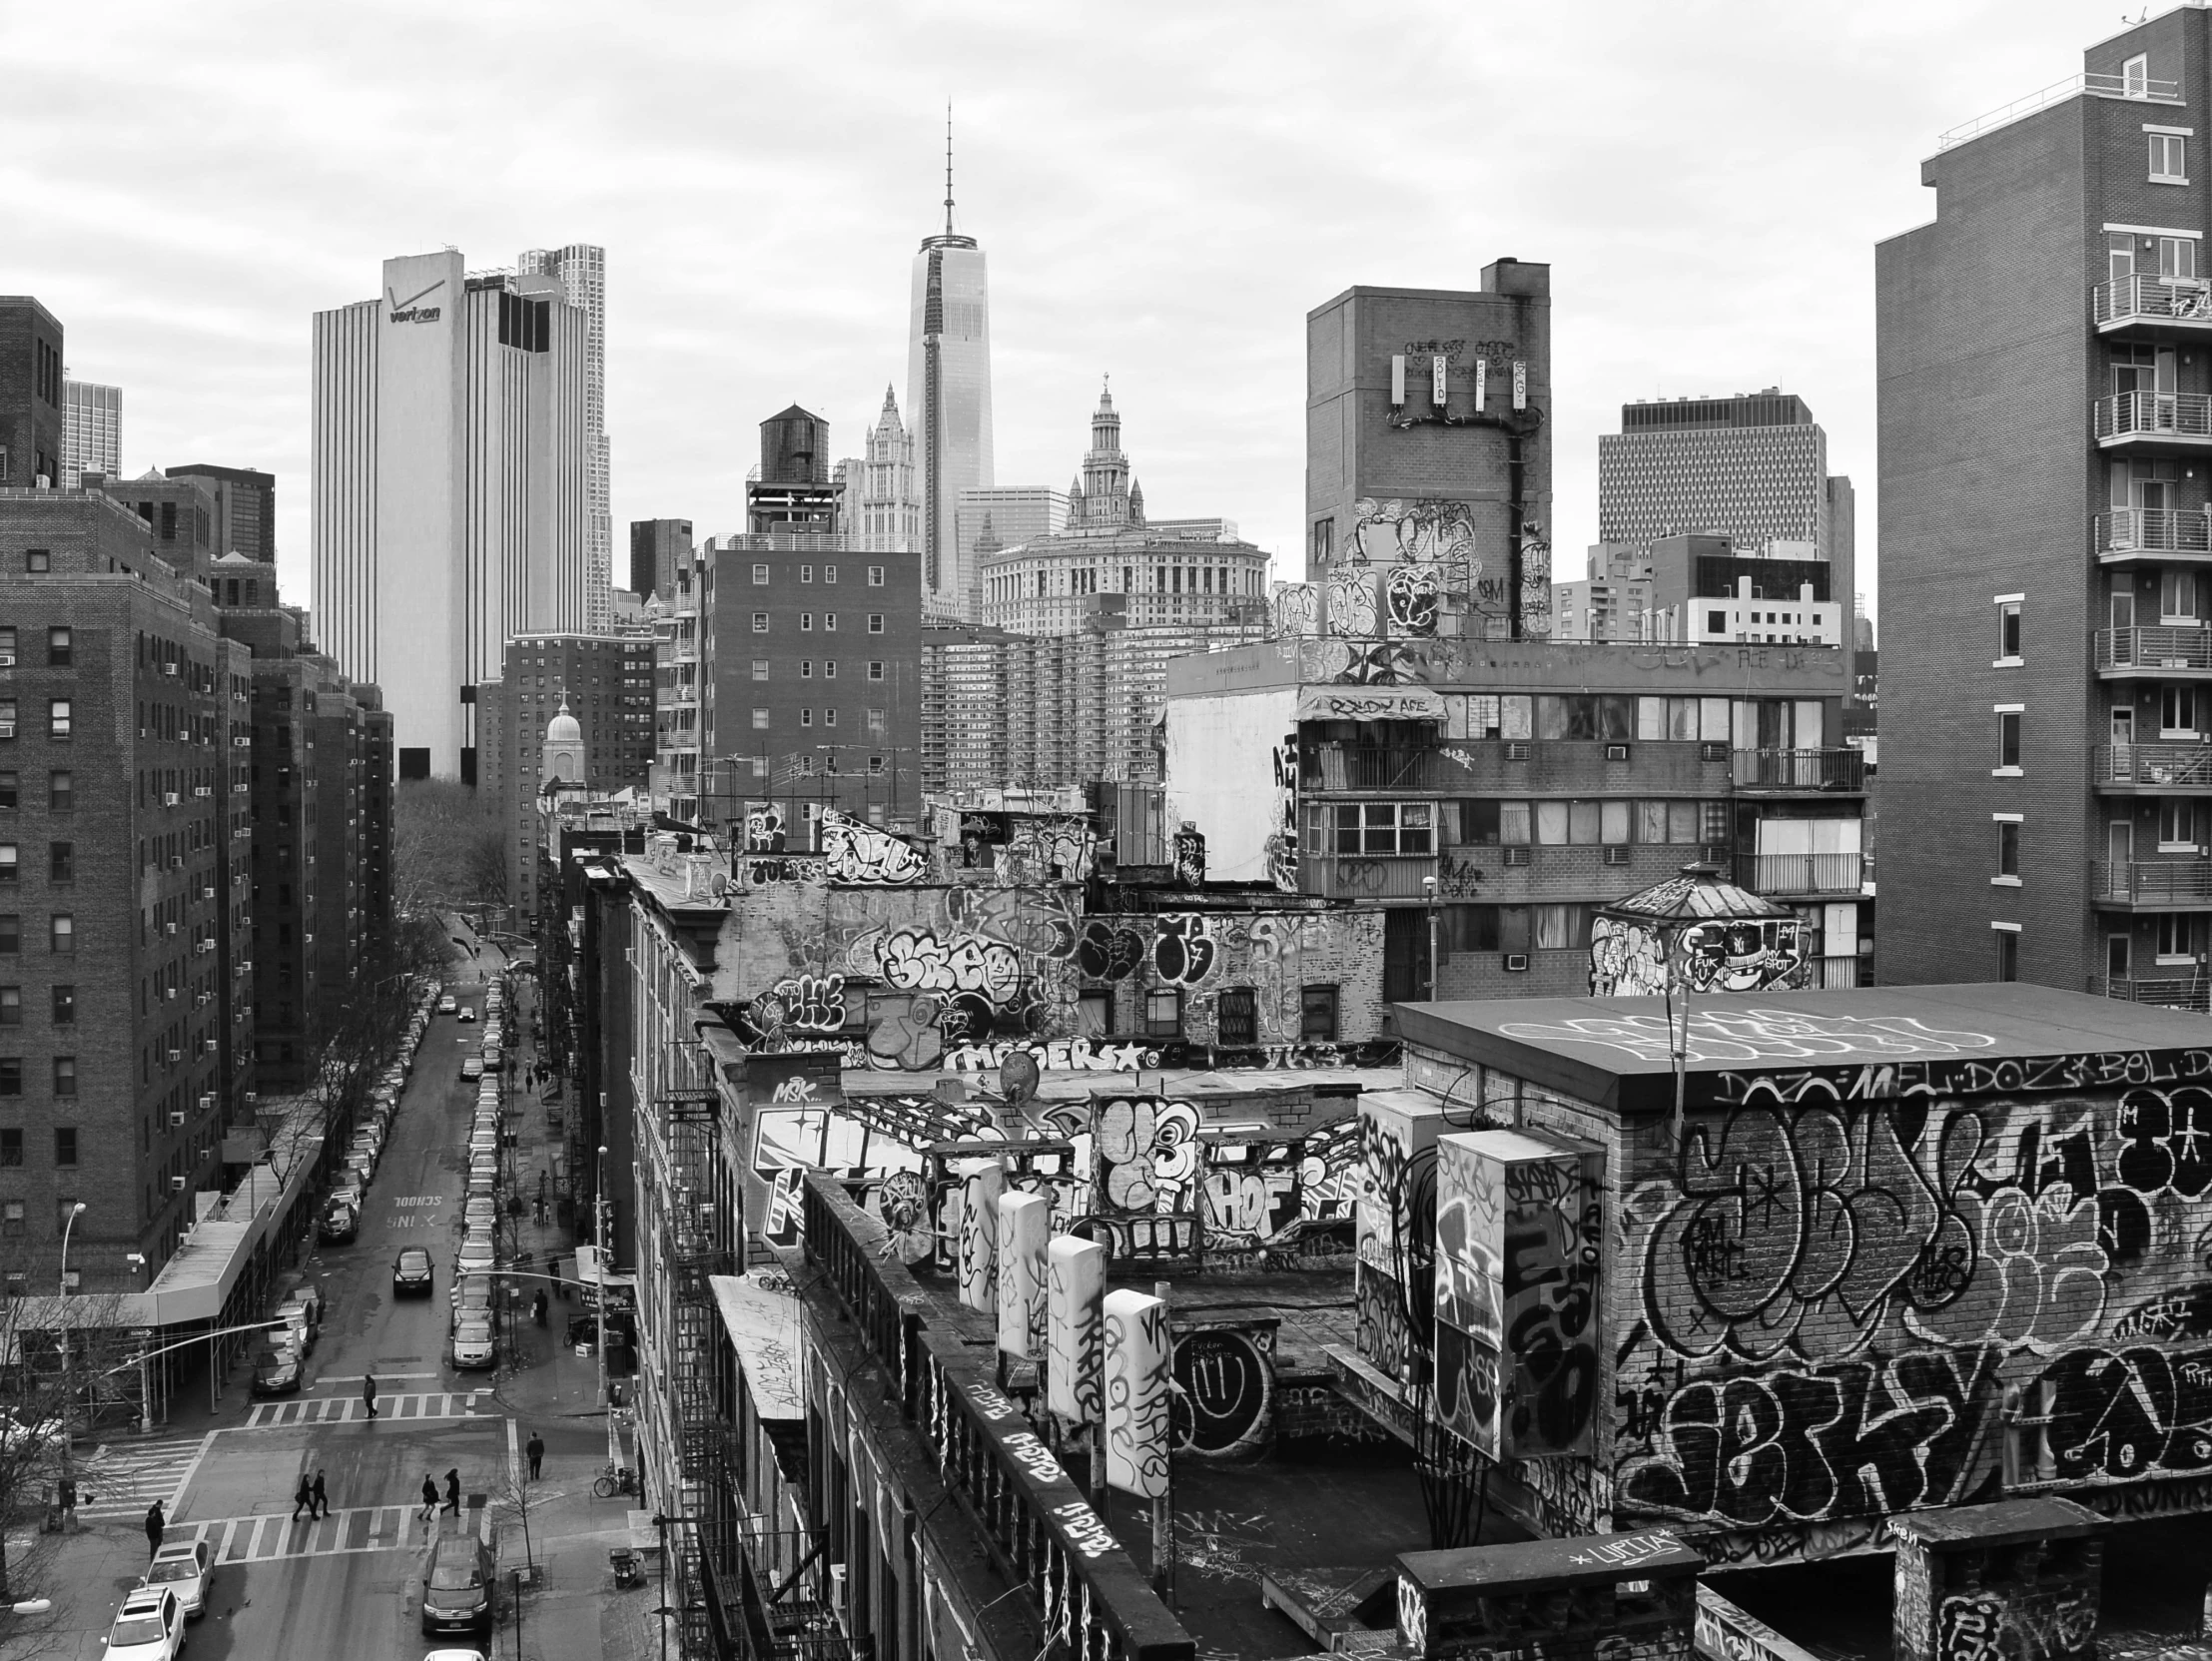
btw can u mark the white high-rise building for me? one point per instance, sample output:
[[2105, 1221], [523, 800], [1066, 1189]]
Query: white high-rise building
[[948, 401], [91, 429], [449, 489], [581, 270]]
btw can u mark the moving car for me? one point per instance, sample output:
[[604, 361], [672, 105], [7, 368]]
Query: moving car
[[456, 1586], [448, 1004], [464, 1013], [472, 1342], [412, 1274], [183, 1566], [149, 1627]]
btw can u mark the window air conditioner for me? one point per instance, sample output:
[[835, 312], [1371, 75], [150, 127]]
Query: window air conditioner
[[207, 1100], [1712, 751], [169, 927], [1615, 752], [176, 1184], [169, 798], [175, 1120], [169, 670], [252, 1097], [203, 998], [838, 1589], [202, 790], [207, 893], [1516, 963], [1615, 856], [7, 660], [208, 1045], [176, 1056], [1519, 856], [1518, 749]]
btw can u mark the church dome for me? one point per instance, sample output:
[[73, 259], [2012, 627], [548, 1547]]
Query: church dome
[[563, 728]]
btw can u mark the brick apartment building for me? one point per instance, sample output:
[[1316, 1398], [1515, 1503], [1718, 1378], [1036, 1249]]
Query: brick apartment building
[[2044, 427], [31, 410]]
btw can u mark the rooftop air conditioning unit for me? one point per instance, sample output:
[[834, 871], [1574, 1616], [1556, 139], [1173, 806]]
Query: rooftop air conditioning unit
[[1516, 963], [175, 1120]]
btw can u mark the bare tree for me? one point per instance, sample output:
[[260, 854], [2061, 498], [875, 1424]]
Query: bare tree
[[449, 847]]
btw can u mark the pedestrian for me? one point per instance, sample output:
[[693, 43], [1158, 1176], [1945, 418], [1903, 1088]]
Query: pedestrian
[[322, 1505], [154, 1528], [537, 1451], [368, 1393], [429, 1496], [303, 1499], [452, 1492], [541, 1305]]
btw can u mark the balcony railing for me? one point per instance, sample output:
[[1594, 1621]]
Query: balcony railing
[[2179, 766], [2188, 991], [2154, 530], [2152, 882], [1367, 876], [2147, 298], [1837, 769], [1800, 873], [2181, 416], [2097, 86], [1356, 767], [2165, 646]]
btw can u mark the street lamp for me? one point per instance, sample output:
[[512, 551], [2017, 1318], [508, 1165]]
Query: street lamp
[[69, 1464]]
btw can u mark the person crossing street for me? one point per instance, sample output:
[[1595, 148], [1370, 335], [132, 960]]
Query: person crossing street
[[303, 1499], [537, 1451], [368, 1393], [322, 1498], [154, 1527], [429, 1496]]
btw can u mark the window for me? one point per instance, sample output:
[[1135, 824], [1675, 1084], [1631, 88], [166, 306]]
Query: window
[[875, 576], [8, 863], [829, 574], [760, 622], [2008, 631], [2177, 596], [11, 1005], [2009, 740], [1236, 1013], [2008, 849], [829, 622], [61, 789], [875, 622], [61, 933], [1375, 828], [877, 723], [760, 668], [2177, 711], [8, 789], [875, 668], [2135, 76], [65, 1005], [806, 717], [2119, 255], [2177, 825], [7, 717], [11, 1152], [1562, 927], [806, 622], [806, 573], [57, 717], [829, 717], [760, 720], [2008, 954], [829, 669], [10, 933], [2177, 259], [65, 1075], [61, 860], [1164, 1013], [2169, 159], [1318, 1013], [36, 560], [760, 576], [57, 647], [875, 764], [11, 1075], [806, 668]]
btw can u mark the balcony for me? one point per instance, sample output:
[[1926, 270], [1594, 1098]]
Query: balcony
[[1332, 767], [2154, 421], [2183, 305], [1581, 768], [2165, 536], [2152, 769], [2152, 884], [1839, 770], [2188, 991], [1366, 876], [2163, 653], [1775, 874]]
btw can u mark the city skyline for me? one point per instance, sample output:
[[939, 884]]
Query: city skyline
[[1696, 262]]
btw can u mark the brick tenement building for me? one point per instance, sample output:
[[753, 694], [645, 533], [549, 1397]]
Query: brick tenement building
[[121, 847], [2046, 422], [31, 418]]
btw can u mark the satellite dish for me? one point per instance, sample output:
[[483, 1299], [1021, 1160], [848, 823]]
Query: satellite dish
[[1018, 1079]]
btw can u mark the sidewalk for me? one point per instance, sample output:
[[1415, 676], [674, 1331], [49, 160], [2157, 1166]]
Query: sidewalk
[[574, 1612]]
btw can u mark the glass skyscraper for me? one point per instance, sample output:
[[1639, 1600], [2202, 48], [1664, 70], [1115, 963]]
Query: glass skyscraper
[[949, 401]]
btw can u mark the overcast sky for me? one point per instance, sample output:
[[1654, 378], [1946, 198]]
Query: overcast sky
[[1163, 190]]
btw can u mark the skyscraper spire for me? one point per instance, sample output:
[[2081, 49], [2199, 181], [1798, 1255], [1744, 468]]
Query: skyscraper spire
[[948, 167]]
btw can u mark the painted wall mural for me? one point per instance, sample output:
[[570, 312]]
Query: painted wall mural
[[1282, 835], [1224, 1400], [855, 851], [1139, 1354], [1835, 1304], [1395, 1211]]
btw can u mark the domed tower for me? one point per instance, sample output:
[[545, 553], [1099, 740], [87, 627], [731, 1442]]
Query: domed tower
[[561, 758], [1106, 471]]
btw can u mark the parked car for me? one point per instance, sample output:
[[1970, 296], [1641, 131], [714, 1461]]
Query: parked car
[[472, 1068], [458, 1586], [481, 1214], [412, 1274], [301, 1323], [448, 1004], [473, 1347], [472, 1292], [494, 1057], [279, 1369], [17, 1438], [183, 1566], [348, 1188], [341, 1223], [464, 1013], [477, 1255], [149, 1627]]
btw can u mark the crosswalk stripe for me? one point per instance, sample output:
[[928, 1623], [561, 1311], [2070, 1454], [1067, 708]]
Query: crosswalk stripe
[[273, 1537], [269, 1416], [121, 1479]]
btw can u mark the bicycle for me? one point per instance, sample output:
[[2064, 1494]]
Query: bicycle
[[615, 1480]]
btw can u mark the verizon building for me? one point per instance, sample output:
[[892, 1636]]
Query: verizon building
[[451, 489]]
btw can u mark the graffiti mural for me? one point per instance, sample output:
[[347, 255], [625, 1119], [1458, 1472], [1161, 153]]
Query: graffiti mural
[[764, 828], [1075, 1372], [1185, 948], [1351, 603], [855, 851], [1413, 600], [1147, 1154], [1223, 1401], [1189, 856], [1395, 1239], [1139, 1355], [1062, 850], [1282, 836], [1412, 532], [1296, 608]]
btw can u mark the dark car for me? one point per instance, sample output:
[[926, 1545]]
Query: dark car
[[278, 1370], [340, 1225], [412, 1274], [456, 1586]]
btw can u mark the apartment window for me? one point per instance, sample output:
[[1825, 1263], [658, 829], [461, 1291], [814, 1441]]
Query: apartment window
[[2135, 76], [2177, 259], [2119, 255], [2177, 597], [7, 717], [829, 669], [11, 1152], [59, 650], [2008, 953], [37, 561], [10, 933], [65, 1005], [806, 717], [2008, 850], [1562, 927], [2180, 936], [1318, 1013], [760, 622], [65, 1153], [829, 622], [829, 717], [806, 668], [61, 790], [875, 668], [1374, 828], [760, 668], [57, 717], [877, 723], [806, 622], [760, 720], [61, 861], [2008, 630], [806, 573], [2177, 825], [65, 1075], [11, 1075], [2009, 740], [8, 789], [1236, 1017], [9, 865], [61, 933], [11, 1005], [875, 576], [760, 576], [875, 764], [2177, 712], [829, 574], [875, 622], [1164, 1013], [2169, 159]]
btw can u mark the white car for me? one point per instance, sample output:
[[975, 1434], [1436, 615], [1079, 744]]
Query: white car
[[16, 1436], [472, 1344], [481, 1214], [183, 1566], [477, 1255], [448, 1004], [149, 1627]]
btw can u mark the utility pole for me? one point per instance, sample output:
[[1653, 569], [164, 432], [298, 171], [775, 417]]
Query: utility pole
[[69, 1389]]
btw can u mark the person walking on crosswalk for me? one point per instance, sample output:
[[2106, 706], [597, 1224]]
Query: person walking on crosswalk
[[322, 1505], [368, 1393], [429, 1496], [452, 1492], [303, 1499]]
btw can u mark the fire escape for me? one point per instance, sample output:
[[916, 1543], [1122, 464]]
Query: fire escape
[[695, 1245]]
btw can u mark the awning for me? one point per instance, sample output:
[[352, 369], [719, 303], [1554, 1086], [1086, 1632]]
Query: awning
[[765, 1328], [1369, 704]]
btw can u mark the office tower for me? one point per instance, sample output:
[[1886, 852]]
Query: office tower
[[949, 401], [31, 420], [1862, 626], [657, 549], [451, 509], [1006, 516], [884, 494], [245, 505], [91, 429], [1698, 588], [2043, 538], [1428, 461], [1107, 563], [581, 270]]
